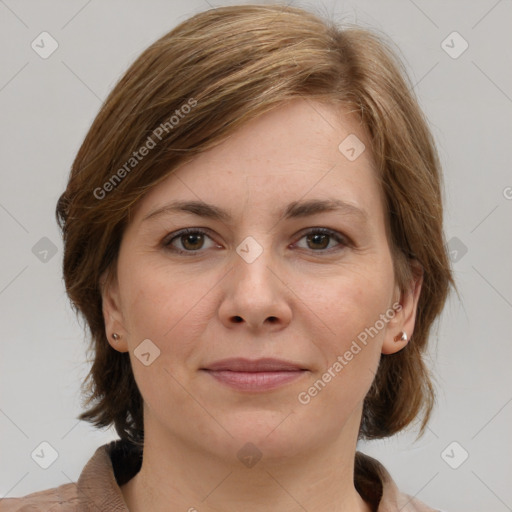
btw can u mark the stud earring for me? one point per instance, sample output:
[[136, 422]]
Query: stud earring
[[115, 336], [401, 337]]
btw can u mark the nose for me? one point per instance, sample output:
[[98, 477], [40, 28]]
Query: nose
[[255, 295]]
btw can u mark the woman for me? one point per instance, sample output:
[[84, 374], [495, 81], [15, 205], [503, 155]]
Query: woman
[[253, 234]]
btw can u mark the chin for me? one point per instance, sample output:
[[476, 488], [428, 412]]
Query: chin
[[274, 435]]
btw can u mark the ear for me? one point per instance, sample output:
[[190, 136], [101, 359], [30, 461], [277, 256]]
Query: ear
[[112, 312], [405, 316]]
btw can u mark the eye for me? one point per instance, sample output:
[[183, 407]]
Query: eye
[[319, 239], [190, 240]]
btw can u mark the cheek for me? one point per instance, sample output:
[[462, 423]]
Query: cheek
[[348, 303], [349, 307], [160, 307], [147, 308], [165, 307]]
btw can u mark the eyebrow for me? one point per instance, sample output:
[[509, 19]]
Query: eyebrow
[[296, 209]]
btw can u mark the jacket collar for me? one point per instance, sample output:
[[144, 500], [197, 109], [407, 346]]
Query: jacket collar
[[115, 463]]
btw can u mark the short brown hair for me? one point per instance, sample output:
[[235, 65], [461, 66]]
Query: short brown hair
[[230, 65]]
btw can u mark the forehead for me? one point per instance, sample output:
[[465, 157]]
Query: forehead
[[298, 151]]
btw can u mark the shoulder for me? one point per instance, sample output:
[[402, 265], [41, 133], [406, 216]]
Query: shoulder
[[59, 499], [376, 486], [97, 488], [408, 503]]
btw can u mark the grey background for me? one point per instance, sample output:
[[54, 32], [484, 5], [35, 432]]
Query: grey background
[[48, 105]]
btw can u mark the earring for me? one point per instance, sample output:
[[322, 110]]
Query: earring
[[115, 336], [401, 337]]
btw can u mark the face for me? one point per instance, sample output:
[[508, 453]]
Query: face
[[265, 269]]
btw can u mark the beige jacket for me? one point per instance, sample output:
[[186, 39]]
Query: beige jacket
[[115, 463]]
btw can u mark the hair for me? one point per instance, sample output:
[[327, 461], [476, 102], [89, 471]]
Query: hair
[[199, 83]]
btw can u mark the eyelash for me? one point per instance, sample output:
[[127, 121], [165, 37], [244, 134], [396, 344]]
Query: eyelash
[[342, 240]]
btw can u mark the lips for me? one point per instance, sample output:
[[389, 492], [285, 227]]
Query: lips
[[258, 365], [254, 375]]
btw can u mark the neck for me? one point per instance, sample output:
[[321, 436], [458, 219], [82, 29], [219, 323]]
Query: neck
[[177, 476]]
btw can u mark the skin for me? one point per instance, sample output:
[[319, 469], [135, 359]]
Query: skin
[[304, 299]]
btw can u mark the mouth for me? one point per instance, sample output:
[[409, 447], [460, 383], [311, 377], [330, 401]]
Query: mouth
[[254, 375]]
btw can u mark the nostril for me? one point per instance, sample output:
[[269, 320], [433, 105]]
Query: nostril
[[271, 319]]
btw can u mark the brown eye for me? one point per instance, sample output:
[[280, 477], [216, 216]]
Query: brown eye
[[187, 241], [192, 241], [321, 240], [318, 240]]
